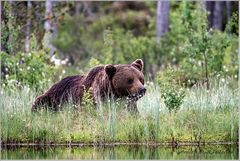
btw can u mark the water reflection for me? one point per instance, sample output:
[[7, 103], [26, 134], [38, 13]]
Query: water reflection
[[122, 152]]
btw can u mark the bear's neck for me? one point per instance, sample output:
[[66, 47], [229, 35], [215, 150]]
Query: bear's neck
[[100, 84]]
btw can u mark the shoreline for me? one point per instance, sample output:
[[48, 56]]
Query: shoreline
[[93, 144]]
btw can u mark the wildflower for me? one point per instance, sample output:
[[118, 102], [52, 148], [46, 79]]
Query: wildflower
[[199, 63], [56, 61], [223, 80], [11, 81], [151, 83], [6, 75], [63, 71], [6, 69], [28, 68], [64, 62]]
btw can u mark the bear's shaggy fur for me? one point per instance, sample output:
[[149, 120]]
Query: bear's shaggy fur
[[115, 81]]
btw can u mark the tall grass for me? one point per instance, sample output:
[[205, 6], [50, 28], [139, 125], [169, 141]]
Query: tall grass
[[204, 116]]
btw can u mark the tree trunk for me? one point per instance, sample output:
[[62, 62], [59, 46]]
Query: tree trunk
[[217, 15], [229, 11], [28, 28], [209, 7], [206, 70], [10, 27], [78, 7], [162, 18], [50, 26], [48, 15]]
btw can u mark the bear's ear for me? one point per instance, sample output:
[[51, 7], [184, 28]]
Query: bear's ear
[[110, 70], [138, 64]]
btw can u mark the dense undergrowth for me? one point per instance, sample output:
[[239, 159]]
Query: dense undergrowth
[[205, 116]]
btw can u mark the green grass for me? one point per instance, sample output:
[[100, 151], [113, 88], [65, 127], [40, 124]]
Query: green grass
[[204, 116]]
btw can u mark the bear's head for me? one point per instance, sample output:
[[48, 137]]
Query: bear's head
[[127, 79]]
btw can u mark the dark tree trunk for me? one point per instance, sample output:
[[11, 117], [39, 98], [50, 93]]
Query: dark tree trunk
[[162, 18], [217, 15], [217, 10], [209, 7]]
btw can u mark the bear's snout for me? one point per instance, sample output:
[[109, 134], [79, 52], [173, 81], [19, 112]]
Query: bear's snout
[[142, 90]]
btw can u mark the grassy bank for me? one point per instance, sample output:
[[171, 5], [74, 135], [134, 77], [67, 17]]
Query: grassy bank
[[205, 116]]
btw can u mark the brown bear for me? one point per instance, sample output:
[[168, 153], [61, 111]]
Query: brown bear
[[109, 81]]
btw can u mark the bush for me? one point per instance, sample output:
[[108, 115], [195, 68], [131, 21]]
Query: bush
[[32, 69], [171, 90], [198, 52]]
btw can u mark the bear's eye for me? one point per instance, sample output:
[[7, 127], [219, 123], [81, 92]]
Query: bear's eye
[[130, 81]]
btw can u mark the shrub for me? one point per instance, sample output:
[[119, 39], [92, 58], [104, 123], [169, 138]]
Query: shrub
[[171, 91], [198, 52], [32, 69]]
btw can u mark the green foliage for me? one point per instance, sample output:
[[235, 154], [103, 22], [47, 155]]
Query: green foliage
[[232, 26], [196, 50], [29, 69], [87, 99], [10, 30], [121, 37], [106, 40], [171, 90], [108, 43], [204, 49], [93, 63], [173, 98]]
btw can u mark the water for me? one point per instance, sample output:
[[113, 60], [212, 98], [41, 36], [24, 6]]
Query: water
[[218, 152]]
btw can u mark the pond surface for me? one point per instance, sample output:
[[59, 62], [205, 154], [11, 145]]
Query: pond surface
[[218, 152]]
